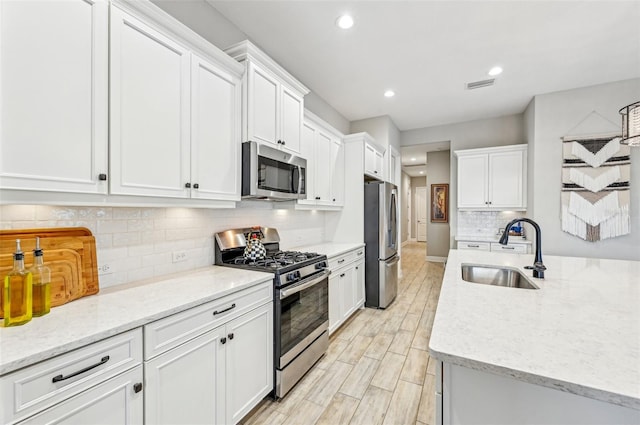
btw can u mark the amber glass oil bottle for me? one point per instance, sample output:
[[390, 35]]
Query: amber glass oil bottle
[[41, 276], [17, 295]]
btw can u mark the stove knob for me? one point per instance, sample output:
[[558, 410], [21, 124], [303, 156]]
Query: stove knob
[[321, 265], [298, 275], [291, 276]]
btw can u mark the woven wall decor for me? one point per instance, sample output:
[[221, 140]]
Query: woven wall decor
[[595, 187]]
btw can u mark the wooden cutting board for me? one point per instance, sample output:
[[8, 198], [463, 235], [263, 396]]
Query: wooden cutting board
[[76, 239], [66, 279]]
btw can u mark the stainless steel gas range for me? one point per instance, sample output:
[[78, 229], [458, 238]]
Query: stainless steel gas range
[[301, 304]]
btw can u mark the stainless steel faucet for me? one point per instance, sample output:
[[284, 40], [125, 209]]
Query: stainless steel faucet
[[538, 267]]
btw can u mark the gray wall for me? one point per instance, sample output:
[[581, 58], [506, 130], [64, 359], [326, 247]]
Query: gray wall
[[405, 189], [438, 234], [417, 182], [556, 114], [507, 130], [222, 33], [530, 135]]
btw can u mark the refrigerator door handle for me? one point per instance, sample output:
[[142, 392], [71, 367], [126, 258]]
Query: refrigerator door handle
[[392, 262]]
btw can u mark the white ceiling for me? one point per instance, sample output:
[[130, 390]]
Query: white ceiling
[[426, 51]]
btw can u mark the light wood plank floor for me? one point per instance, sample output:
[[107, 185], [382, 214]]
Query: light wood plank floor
[[377, 369]]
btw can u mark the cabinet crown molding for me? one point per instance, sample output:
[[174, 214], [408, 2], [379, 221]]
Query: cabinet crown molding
[[364, 137], [507, 148], [314, 119], [246, 50], [164, 22]]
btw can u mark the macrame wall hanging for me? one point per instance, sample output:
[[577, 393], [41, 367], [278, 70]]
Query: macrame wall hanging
[[596, 171]]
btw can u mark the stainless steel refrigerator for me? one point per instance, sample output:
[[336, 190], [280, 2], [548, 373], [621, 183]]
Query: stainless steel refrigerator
[[381, 238]]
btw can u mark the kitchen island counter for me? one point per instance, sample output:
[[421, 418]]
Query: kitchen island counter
[[115, 310], [579, 333]]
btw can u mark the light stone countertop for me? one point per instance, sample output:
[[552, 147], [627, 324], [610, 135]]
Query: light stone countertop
[[330, 249], [579, 333], [116, 310], [491, 238]]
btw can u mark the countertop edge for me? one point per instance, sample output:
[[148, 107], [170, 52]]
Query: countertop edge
[[531, 378]]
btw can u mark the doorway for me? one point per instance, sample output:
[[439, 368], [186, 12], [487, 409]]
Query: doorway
[[421, 214]]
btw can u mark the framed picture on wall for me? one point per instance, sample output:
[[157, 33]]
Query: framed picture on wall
[[440, 203]]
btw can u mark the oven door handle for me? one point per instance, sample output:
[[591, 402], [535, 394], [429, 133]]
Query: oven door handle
[[304, 284]]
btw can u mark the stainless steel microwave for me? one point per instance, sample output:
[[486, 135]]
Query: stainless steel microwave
[[271, 174]]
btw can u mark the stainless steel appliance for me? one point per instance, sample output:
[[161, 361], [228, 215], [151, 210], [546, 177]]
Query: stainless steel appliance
[[301, 304], [271, 174], [381, 237]]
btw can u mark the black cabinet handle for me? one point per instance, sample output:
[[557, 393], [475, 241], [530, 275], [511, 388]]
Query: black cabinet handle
[[507, 247], [341, 261], [223, 340], [359, 253], [342, 275], [317, 198], [230, 336], [279, 142], [86, 369], [334, 199], [225, 310], [375, 171], [473, 246], [283, 142], [196, 186], [187, 185], [102, 177], [137, 387]]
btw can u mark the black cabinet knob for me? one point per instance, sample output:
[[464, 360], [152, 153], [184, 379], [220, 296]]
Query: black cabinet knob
[[279, 142], [187, 185], [196, 186], [334, 199], [223, 340], [102, 177], [230, 336], [137, 387], [283, 142]]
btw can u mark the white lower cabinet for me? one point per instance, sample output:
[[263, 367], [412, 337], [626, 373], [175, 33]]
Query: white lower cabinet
[[116, 401], [346, 287], [99, 383], [216, 377]]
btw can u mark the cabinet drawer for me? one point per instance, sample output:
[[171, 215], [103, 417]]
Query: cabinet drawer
[[478, 246], [47, 383], [518, 248], [164, 334], [346, 258]]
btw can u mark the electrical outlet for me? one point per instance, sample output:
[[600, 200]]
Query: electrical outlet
[[179, 256], [104, 269]]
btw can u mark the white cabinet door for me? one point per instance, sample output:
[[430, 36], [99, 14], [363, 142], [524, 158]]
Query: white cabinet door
[[54, 85], [149, 107], [116, 401], [215, 132], [472, 181], [322, 161], [263, 105], [249, 361], [505, 179], [307, 150], [359, 283], [369, 160], [291, 121], [335, 302], [337, 172], [187, 384], [348, 290], [379, 171]]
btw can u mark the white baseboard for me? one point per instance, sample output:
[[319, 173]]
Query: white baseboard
[[436, 259]]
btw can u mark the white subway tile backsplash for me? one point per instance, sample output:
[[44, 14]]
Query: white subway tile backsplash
[[138, 243], [484, 223]]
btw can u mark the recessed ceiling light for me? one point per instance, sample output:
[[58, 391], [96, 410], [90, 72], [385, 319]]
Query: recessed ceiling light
[[421, 172], [413, 159], [345, 22], [389, 93], [496, 70]]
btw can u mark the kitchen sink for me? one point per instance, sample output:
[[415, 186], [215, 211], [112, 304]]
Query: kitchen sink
[[498, 276]]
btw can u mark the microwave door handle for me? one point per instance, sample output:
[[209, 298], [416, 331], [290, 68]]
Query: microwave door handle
[[299, 180]]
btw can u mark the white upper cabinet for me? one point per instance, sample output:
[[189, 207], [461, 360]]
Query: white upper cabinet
[[273, 105], [175, 112], [150, 111], [374, 160], [215, 132], [322, 146], [392, 158], [54, 85], [493, 178]]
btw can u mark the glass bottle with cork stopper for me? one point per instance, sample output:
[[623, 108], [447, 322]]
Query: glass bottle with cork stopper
[[41, 283], [17, 292]]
